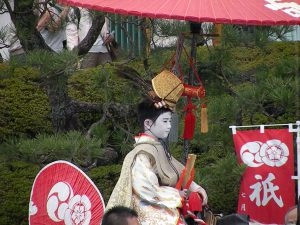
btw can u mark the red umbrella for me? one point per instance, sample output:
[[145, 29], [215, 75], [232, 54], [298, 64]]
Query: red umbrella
[[246, 12]]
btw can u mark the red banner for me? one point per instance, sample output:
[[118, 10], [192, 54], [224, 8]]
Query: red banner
[[267, 190]]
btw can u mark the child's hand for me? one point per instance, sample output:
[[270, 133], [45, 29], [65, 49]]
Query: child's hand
[[183, 193]]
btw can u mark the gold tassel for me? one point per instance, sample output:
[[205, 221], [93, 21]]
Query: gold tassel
[[204, 122]]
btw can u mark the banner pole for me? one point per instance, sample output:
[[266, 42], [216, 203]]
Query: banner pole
[[298, 156]]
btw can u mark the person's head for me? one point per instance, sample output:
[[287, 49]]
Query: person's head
[[155, 122], [291, 216], [120, 215]]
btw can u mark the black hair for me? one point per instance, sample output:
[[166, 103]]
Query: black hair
[[147, 110], [118, 215]]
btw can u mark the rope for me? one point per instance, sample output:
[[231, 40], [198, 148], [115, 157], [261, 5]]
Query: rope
[[175, 65], [192, 66]]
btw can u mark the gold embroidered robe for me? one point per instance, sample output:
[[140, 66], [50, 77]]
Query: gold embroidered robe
[[147, 184]]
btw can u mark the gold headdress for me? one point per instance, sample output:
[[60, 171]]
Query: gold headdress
[[168, 88]]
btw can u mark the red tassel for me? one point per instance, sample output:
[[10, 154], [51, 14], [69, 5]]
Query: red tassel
[[189, 122]]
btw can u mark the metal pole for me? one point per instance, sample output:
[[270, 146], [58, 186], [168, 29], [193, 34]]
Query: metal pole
[[118, 28], [135, 29], [186, 149], [194, 57], [123, 41], [140, 40], [128, 28]]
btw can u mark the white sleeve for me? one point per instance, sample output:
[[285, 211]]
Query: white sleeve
[[72, 36], [72, 30], [105, 29]]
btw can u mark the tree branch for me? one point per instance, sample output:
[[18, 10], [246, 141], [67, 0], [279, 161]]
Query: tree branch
[[112, 107], [132, 75], [88, 133], [95, 30]]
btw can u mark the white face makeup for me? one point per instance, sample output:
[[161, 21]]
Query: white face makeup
[[161, 127]]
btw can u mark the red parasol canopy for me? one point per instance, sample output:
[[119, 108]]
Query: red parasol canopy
[[246, 12]]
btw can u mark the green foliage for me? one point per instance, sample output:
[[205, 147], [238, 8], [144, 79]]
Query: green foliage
[[281, 91], [105, 178], [121, 141], [83, 85], [222, 181], [51, 63], [71, 146], [278, 51], [170, 27], [261, 81], [222, 109], [288, 67], [101, 84], [16, 181], [235, 35], [158, 58], [24, 109], [246, 58]]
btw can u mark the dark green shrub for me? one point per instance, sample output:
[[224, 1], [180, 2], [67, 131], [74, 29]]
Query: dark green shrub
[[24, 109], [221, 180], [105, 178], [16, 182], [71, 146]]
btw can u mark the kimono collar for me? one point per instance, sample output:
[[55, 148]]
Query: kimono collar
[[144, 138]]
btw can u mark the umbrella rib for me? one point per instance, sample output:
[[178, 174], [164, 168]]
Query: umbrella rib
[[153, 4], [162, 5], [213, 11], [230, 18], [175, 6], [199, 11], [247, 21], [187, 8], [244, 12]]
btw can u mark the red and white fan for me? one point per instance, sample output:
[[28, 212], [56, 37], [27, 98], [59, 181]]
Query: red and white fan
[[63, 194]]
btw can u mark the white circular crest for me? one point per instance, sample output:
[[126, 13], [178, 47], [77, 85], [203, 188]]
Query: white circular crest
[[58, 199], [250, 154], [78, 211], [274, 153]]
